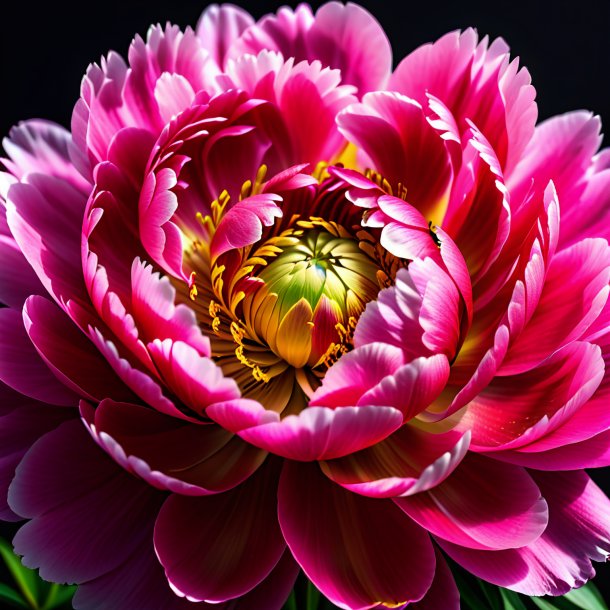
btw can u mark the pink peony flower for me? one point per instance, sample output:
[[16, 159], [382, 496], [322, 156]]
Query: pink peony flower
[[272, 307]]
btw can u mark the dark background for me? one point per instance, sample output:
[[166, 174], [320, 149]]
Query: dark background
[[46, 47]]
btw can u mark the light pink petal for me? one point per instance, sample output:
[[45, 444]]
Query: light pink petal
[[404, 148], [348, 37], [484, 504], [197, 380], [345, 37], [561, 150], [499, 98], [357, 372], [407, 462], [478, 215], [358, 551], [243, 224], [560, 559], [412, 387], [42, 147], [315, 433], [196, 459], [155, 313], [45, 216], [22, 368], [114, 96], [235, 546], [559, 320], [519, 409], [79, 503], [219, 27], [308, 98], [173, 94]]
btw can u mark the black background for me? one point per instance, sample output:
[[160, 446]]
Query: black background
[[46, 47]]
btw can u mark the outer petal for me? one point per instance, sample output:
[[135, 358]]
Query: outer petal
[[21, 367], [236, 544], [443, 593], [408, 462], [219, 27], [69, 353], [483, 504], [87, 515], [315, 433], [359, 552], [17, 279], [560, 559], [193, 459], [22, 422], [346, 37], [558, 320]]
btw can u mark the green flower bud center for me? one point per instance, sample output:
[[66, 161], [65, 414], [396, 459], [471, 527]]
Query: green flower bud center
[[311, 291]]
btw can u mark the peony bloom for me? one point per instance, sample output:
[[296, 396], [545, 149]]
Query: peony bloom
[[273, 307]]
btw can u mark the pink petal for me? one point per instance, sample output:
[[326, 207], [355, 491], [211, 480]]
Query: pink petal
[[357, 372], [22, 368], [197, 459], [243, 224], [358, 551], [69, 353], [79, 502], [484, 504], [22, 422], [404, 148], [560, 559], [558, 320], [17, 279], [42, 147], [235, 546], [315, 433], [219, 27], [407, 462], [157, 316], [519, 409], [197, 380], [443, 593]]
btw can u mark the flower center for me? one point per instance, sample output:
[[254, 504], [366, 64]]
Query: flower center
[[312, 293]]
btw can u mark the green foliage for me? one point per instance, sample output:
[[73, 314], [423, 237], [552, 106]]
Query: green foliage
[[29, 590]]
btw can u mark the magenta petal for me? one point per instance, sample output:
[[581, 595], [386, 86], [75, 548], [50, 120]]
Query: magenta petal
[[483, 504], [319, 433], [21, 367], [407, 462], [157, 316], [69, 353], [197, 380], [443, 593], [17, 279], [236, 544], [560, 559], [87, 515], [22, 422], [358, 551], [197, 459]]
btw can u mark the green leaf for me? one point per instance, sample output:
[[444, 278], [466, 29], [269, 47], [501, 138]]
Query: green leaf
[[60, 595], [313, 597], [11, 597], [26, 579], [511, 600], [587, 597], [492, 594], [291, 602]]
